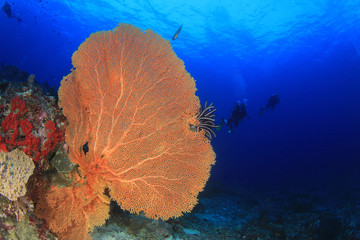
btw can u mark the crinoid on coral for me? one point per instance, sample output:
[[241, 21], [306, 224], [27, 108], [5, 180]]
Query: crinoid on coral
[[129, 102], [206, 118]]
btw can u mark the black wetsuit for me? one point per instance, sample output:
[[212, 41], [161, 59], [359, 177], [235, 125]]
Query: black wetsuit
[[238, 114], [7, 10], [273, 101]]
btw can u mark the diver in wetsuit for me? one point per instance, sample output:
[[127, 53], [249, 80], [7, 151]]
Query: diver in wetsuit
[[273, 100], [237, 116], [6, 8]]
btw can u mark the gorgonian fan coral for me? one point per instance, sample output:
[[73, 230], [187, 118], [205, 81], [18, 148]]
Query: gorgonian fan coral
[[130, 100]]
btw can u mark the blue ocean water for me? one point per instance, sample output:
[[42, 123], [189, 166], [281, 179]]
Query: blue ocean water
[[307, 51]]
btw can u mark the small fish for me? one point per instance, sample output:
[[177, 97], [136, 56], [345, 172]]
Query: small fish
[[177, 33], [85, 148]]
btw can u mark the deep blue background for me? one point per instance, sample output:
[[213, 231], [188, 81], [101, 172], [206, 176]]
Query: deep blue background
[[306, 51]]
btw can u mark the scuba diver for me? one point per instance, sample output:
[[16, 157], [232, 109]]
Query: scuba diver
[[6, 8], [273, 100], [237, 116]]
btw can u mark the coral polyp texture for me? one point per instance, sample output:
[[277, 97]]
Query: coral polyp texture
[[129, 102], [26, 123], [15, 169]]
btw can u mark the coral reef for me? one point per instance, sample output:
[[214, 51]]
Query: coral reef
[[30, 121], [15, 169], [61, 161], [31, 124], [19, 132], [18, 222], [12, 73], [221, 213], [129, 132]]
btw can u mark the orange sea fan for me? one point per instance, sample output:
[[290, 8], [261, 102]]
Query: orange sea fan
[[72, 212], [131, 101]]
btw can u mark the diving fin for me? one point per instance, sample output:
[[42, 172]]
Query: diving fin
[[219, 127]]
